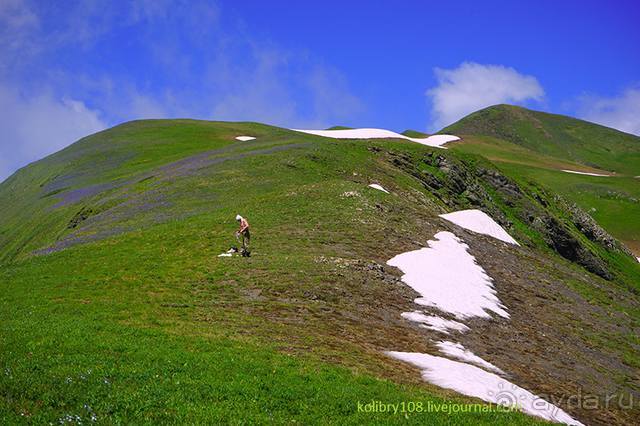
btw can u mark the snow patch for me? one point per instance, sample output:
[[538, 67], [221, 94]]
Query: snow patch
[[585, 173], [434, 322], [244, 138], [475, 382], [225, 255], [478, 221], [447, 277], [444, 271], [371, 133], [456, 350], [436, 140], [378, 187]]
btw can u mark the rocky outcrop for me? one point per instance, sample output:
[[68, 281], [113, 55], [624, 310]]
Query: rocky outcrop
[[559, 237], [590, 228], [464, 184]]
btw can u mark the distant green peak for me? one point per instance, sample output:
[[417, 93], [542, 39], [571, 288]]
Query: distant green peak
[[414, 134]]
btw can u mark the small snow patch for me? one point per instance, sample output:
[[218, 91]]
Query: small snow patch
[[244, 138], [434, 322], [456, 350], [371, 133], [478, 221], [444, 271], [436, 140], [638, 259], [378, 187], [585, 173], [476, 382], [225, 255]]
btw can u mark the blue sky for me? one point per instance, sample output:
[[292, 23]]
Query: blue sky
[[68, 69]]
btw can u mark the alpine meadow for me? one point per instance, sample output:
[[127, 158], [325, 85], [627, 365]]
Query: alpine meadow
[[241, 213]]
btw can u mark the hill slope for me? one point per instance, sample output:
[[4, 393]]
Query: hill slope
[[556, 136], [115, 304], [541, 147]]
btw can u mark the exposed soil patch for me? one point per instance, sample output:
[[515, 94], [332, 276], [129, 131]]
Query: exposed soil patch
[[547, 345], [80, 217]]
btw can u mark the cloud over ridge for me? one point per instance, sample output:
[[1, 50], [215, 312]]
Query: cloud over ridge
[[620, 112], [472, 86], [63, 74], [36, 126]]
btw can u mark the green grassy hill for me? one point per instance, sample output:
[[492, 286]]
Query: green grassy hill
[[116, 307], [414, 134], [556, 136], [537, 146], [339, 128]]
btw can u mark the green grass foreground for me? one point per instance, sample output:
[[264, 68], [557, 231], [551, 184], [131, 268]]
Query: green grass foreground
[[83, 341]]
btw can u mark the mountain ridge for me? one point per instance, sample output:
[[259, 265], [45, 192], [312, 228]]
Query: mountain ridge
[[119, 237], [557, 135], [548, 148]]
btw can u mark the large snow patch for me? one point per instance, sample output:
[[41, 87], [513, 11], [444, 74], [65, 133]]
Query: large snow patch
[[478, 221], [448, 278], [473, 381], [371, 133]]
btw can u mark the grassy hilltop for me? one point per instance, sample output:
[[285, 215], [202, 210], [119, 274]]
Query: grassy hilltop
[[538, 146], [556, 136], [115, 307]]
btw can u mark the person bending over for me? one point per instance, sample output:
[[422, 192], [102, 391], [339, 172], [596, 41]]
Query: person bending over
[[243, 232]]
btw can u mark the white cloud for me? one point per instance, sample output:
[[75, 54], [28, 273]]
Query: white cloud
[[33, 127], [18, 23], [332, 99], [253, 91], [144, 106], [279, 87], [16, 17], [620, 112], [473, 86], [199, 66]]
